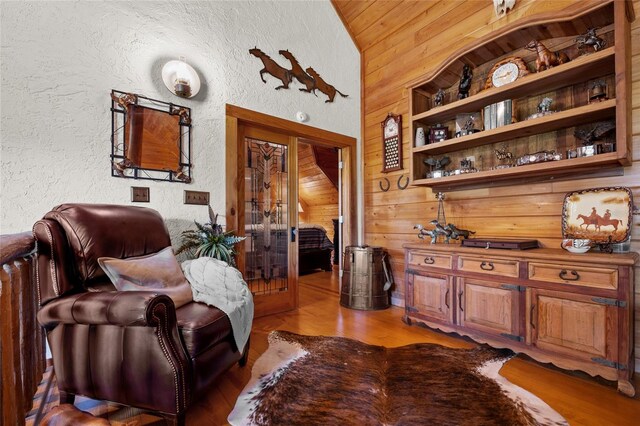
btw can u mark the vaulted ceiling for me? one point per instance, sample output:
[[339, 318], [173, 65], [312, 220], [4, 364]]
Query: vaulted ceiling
[[371, 21]]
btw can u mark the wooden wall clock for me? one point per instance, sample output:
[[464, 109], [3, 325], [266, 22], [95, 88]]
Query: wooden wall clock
[[506, 71], [391, 143]]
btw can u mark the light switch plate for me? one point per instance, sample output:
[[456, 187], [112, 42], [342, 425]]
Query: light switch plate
[[139, 194], [196, 197]]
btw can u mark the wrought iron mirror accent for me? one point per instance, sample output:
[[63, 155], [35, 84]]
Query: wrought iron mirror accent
[[150, 139]]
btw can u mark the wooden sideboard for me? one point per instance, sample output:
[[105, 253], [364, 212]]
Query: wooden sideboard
[[572, 310]]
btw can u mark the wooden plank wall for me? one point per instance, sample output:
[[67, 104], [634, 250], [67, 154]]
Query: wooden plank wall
[[404, 40], [318, 196]]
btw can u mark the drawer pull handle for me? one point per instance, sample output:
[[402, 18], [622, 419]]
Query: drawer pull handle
[[574, 275], [446, 299], [487, 266], [460, 301], [533, 307], [429, 260]]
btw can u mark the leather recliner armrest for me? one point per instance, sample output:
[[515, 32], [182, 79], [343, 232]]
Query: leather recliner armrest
[[124, 308]]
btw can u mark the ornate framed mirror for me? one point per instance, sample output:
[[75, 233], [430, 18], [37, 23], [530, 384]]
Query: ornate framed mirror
[[150, 139]]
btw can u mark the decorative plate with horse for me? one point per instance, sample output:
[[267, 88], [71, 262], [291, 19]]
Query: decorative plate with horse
[[602, 215]]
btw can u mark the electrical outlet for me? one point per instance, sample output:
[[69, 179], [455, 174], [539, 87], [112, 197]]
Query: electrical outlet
[[472, 158], [196, 197], [139, 194]]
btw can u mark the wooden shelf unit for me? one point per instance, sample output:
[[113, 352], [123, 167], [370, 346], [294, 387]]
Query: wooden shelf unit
[[566, 84]]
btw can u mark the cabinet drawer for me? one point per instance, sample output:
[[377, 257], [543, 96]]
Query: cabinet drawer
[[508, 268], [574, 274], [425, 258]]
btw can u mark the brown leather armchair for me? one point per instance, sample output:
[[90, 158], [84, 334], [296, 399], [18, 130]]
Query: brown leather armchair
[[130, 347]]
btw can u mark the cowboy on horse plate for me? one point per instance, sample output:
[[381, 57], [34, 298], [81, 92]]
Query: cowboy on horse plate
[[602, 215]]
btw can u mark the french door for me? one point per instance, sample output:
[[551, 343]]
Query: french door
[[269, 218]]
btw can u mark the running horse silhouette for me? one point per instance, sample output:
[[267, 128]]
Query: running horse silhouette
[[272, 67], [597, 221], [298, 73], [323, 86], [546, 58]]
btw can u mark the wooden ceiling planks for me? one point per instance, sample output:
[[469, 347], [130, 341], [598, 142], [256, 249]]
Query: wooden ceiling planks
[[314, 187]]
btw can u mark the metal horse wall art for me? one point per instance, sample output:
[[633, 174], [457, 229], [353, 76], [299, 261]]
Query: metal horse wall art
[[309, 77], [272, 67]]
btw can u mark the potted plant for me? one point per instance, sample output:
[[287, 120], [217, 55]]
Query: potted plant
[[210, 240]]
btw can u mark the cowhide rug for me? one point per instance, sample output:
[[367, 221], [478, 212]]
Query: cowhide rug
[[305, 380]]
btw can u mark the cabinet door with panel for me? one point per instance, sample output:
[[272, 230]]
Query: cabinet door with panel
[[576, 325], [490, 307], [431, 296]]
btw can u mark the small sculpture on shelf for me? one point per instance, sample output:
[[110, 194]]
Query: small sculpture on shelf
[[466, 125], [597, 91], [465, 82], [457, 233], [544, 105], [502, 154], [466, 166], [546, 58], [590, 38], [599, 131], [438, 99], [436, 166], [544, 108]]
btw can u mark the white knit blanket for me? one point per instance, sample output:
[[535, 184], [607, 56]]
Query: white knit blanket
[[217, 284]]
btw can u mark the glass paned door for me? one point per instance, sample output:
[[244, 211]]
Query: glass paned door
[[269, 224]]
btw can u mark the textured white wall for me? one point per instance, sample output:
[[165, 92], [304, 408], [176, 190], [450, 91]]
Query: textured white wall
[[60, 60]]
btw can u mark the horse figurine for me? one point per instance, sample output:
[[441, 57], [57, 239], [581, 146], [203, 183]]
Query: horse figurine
[[456, 233], [441, 230], [323, 86], [298, 73], [546, 58], [271, 67], [426, 232], [590, 38]]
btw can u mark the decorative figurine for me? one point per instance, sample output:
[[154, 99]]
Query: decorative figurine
[[502, 153], [441, 230], [436, 166], [546, 58], [426, 232], [598, 91], [438, 99], [457, 233], [466, 166], [590, 38], [543, 109], [465, 82], [543, 106], [465, 125], [598, 132]]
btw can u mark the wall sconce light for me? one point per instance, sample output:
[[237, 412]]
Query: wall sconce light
[[300, 209], [180, 78]]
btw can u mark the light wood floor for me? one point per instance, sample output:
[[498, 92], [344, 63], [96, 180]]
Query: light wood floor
[[581, 400]]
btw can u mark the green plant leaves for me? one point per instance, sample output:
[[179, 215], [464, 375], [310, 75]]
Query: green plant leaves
[[210, 240]]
